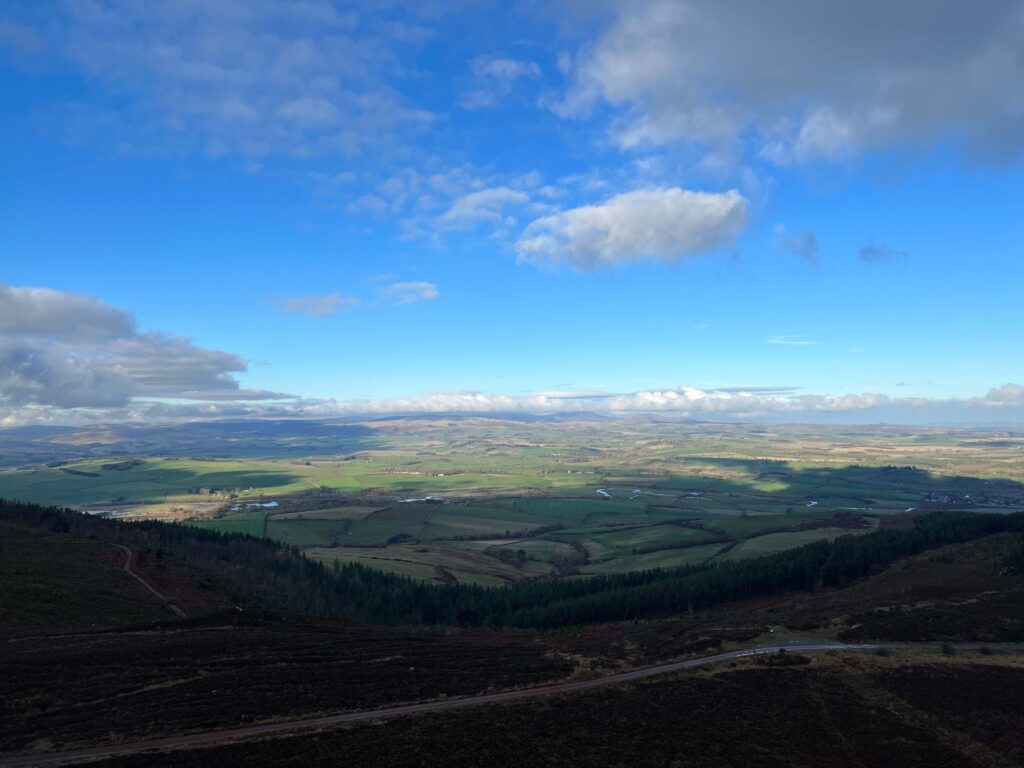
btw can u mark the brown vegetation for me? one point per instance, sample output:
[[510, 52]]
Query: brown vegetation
[[875, 712]]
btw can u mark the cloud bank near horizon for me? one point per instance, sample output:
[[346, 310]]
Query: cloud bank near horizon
[[1000, 405], [67, 358]]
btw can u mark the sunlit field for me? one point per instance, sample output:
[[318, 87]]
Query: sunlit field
[[493, 502]]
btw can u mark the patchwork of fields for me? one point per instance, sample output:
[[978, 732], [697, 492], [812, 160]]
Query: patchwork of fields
[[492, 502]]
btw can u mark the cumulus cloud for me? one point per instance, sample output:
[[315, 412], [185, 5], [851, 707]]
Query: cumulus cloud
[[318, 304], [661, 224], [494, 78], [409, 293], [70, 351], [874, 253], [801, 82], [1007, 394], [47, 376], [69, 316]]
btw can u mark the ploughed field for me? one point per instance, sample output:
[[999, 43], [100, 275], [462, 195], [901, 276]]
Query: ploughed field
[[492, 502]]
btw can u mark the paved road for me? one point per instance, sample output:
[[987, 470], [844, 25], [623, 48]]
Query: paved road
[[129, 555]]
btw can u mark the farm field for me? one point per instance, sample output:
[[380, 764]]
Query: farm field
[[491, 501]]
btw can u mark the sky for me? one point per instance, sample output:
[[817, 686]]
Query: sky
[[800, 210]]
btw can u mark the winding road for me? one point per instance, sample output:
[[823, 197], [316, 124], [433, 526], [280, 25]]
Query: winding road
[[264, 729]]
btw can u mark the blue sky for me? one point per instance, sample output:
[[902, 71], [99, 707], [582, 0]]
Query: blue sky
[[317, 208]]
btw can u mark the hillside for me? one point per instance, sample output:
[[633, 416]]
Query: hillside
[[55, 582], [279, 577], [913, 712], [117, 665]]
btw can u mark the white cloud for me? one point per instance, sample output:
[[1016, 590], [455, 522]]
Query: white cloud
[[1006, 395], [485, 205], [550, 192], [663, 224], [309, 111], [792, 341], [493, 79], [69, 351], [503, 69], [432, 202], [250, 79], [159, 365], [799, 82], [731, 404], [318, 304], [372, 204], [1004, 405], [409, 293], [68, 316], [55, 376], [824, 135]]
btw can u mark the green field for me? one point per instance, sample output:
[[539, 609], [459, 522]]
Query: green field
[[250, 523], [777, 542], [153, 481], [491, 501]]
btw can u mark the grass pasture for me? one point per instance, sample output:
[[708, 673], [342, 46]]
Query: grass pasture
[[152, 481], [669, 558], [650, 536], [333, 513], [544, 550], [436, 562], [778, 542], [572, 496], [250, 523]]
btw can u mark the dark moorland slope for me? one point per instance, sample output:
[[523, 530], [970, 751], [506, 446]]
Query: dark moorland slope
[[911, 713], [92, 658]]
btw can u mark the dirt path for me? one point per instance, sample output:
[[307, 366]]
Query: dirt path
[[264, 729], [127, 567]]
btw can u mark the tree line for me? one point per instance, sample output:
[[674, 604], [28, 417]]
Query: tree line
[[273, 575]]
